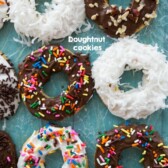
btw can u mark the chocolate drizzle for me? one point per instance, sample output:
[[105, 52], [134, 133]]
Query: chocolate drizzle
[[119, 22], [112, 143], [7, 152], [36, 70]]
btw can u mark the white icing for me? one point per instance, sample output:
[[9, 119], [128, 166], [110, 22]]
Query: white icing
[[11, 81], [62, 145], [3, 12], [138, 102], [61, 18]]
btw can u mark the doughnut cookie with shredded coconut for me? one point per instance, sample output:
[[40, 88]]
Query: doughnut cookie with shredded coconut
[[9, 94], [119, 22], [124, 55], [49, 139], [3, 12], [60, 19]]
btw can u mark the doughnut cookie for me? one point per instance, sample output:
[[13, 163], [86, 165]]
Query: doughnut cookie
[[119, 22], [49, 139], [60, 19], [125, 55], [3, 12], [112, 143], [7, 151], [9, 95], [36, 70]]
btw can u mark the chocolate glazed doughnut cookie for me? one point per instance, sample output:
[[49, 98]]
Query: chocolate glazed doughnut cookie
[[119, 22], [7, 152], [36, 70], [112, 143]]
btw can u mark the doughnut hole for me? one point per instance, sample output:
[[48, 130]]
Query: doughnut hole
[[130, 79], [54, 160], [41, 5], [130, 158], [123, 3], [58, 82]]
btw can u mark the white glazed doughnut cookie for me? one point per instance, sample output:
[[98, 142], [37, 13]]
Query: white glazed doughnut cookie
[[9, 95], [60, 19], [3, 12], [49, 139], [128, 54]]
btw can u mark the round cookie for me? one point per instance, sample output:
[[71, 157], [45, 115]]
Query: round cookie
[[49, 139], [59, 20], [119, 22], [3, 12], [111, 144], [36, 70], [150, 95], [9, 95], [7, 151]]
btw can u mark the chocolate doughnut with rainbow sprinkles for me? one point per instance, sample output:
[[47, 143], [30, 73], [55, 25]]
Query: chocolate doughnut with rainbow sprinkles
[[36, 70], [112, 143], [48, 140], [119, 22], [8, 157]]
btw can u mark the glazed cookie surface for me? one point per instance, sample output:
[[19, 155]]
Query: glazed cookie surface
[[36, 70], [9, 94], [49, 139], [119, 22], [111, 144], [7, 151]]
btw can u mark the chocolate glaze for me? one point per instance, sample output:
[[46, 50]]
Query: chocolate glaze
[[118, 22], [56, 58], [7, 152], [144, 136]]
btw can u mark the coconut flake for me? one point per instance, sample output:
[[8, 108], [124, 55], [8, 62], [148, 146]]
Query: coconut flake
[[3, 12]]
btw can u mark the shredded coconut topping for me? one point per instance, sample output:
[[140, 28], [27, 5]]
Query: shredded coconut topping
[[138, 102], [60, 19], [3, 12]]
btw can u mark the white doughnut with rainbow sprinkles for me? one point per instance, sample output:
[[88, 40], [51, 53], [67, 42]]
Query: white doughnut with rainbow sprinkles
[[49, 139]]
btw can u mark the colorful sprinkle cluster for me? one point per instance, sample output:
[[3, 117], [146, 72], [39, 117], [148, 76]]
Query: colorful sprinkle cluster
[[142, 136], [36, 71], [49, 139]]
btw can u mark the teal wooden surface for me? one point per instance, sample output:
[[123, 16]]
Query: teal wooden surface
[[95, 117]]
